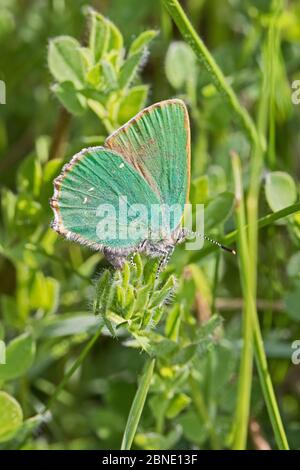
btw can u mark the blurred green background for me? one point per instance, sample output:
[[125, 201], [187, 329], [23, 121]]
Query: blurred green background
[[45, 282]]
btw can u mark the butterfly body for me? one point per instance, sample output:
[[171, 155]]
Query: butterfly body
[[143, 168]]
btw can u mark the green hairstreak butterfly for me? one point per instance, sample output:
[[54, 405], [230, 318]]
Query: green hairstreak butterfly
[[144, 165]]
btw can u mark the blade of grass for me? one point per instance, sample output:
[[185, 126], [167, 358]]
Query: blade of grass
[[204, 56], [241, 420], [260, 356], [267, 385], [137, 405], [256, 166], [267, 96]]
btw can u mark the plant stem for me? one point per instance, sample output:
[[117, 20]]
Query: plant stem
[[256, 166], [74, 367], [60, 136], [137, 405], [204, 56], [252, 317], [267, 386], [245, 377]]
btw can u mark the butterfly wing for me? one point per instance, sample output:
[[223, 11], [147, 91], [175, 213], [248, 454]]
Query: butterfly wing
[[87, 191], [156, 142]]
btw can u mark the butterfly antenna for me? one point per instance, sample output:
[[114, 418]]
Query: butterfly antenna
[[214, 242]]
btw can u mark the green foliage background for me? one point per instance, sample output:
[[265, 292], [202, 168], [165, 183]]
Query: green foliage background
[[72, 76]]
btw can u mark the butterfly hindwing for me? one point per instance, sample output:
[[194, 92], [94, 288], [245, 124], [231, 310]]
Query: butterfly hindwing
[[93, 180]]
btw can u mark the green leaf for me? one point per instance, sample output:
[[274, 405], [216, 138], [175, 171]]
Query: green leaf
[[87, 57], [137, 273], [130, 69], [28, 213], [26, 430], [11, 416], [29, 177], [184, 355], [65, 60], [94, 95], [218, 210], [102, 297], [97, 107], [180, 65], [199, 190], [129, 302], [280, 190], [115, 58], [69, 97], [132, 103], [193, 428], [115, 37], [109, 75], [156, 441], [19, 356], [158, 405], [292, 301], [99, 36], [142, 41], [94, 75], [178, 403], [66, 325], [125, 275], [173, 323], [165, 348], [161, 295], [209, 327], [142, 299], [44, 293], [150, 270]]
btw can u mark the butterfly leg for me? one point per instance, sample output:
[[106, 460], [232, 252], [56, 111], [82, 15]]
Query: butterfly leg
[[164, 260], [116, 259], [161, 249], [131, 260]]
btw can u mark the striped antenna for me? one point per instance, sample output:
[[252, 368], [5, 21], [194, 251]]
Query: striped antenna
[[211, 240]]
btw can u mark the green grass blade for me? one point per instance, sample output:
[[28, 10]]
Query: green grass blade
[[240, 430], [251, 328], [137, 406], [204, 56]]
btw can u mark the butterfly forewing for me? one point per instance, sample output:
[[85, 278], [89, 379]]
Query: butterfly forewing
[[156, 143]]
